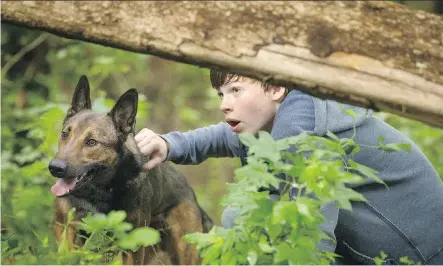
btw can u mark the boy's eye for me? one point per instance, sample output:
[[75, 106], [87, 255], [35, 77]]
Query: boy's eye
[[64, 135], [220, 95], [91, 142], [235, 89]]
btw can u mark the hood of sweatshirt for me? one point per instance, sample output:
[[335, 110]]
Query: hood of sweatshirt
[[331, 116], [301, 112]]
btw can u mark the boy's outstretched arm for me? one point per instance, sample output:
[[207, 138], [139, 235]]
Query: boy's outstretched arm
[[192, 147]]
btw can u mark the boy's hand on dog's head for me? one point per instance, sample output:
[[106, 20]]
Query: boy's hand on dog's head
[[153, 146]]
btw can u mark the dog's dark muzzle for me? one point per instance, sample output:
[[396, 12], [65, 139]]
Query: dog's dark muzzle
[[58, 168]]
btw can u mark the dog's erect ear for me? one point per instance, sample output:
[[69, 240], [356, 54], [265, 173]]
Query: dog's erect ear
[[81, 99], [124, 111]]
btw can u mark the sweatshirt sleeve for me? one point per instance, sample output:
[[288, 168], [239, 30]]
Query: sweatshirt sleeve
[[195, 146]]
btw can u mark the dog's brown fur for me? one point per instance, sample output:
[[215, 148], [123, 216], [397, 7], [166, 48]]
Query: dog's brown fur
[[160, 198]]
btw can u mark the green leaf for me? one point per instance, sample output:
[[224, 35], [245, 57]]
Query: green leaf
[[123, 227], [4, 246], [349, 146], [380, 140], [301, 255], [405, 260], [255, 174], [302, 138], [273, 230], [247, 139], [265, 247], [146, 236], [304, 209], [228, 258], [97, 221], [211, 255], [283, 253], [264, 147], [116, 217], [345, 195], [351, 178], [70, 215], [369, 172], [227, 245], [379, 260], [143, 236], [252, 257], [45, 242], [331, 145], [285, 212], [332, 136], [395, 147], [349, 112]]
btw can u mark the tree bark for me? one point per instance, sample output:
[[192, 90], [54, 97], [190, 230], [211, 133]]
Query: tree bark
[[379, 55]]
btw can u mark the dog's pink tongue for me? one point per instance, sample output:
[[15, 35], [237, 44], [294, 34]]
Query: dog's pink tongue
[[62, 186]]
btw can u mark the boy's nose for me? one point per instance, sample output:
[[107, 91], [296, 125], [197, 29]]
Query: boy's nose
[[225, 107]]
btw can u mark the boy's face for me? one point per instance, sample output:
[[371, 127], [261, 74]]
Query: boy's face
[[248, 108]]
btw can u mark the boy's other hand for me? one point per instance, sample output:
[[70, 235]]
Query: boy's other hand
[[153, 146]]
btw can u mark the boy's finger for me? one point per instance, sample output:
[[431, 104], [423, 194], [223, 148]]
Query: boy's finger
[[140, 135], [154, 162], [145, 167], [143, 134], [145, 141], [147, 149]]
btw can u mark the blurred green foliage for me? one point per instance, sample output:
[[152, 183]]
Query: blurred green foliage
[[429, 139], [36, 93]]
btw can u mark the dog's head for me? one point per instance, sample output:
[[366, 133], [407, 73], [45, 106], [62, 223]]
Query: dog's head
[[90, 144]]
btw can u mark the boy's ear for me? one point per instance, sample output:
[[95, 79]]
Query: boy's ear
[[81, 99], [124, 111], [278, 93]]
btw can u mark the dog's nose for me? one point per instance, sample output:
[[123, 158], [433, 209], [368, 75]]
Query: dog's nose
[[57, 168]]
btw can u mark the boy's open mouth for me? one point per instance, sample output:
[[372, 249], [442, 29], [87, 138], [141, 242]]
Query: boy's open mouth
[[232, 122]]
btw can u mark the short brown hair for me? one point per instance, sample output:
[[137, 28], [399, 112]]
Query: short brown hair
[[220, 78]]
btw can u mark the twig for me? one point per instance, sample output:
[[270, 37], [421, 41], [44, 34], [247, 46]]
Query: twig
[[29, 47], [156, 254]]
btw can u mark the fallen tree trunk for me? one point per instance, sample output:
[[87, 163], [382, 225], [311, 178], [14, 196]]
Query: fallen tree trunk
[[379, 55]]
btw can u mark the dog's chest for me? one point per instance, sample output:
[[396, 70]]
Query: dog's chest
[[91, 200]]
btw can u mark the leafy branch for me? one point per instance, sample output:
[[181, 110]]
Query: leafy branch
[[313, 172]]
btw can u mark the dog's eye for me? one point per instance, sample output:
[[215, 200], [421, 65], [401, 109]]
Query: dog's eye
[[91, 142], [64, 135]]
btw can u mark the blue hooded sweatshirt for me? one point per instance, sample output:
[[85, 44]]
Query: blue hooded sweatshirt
[[401, 220]]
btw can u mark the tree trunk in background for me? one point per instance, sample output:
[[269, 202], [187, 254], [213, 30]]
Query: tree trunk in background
[[373, 54], [160, 83], [165, 80]]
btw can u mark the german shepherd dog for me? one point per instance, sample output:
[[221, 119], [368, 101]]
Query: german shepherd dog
[[99, 169]]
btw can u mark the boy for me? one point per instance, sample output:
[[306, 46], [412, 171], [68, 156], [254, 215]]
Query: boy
[[403, 220]]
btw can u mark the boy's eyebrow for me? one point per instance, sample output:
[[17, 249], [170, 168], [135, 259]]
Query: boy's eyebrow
[[231, 84]]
